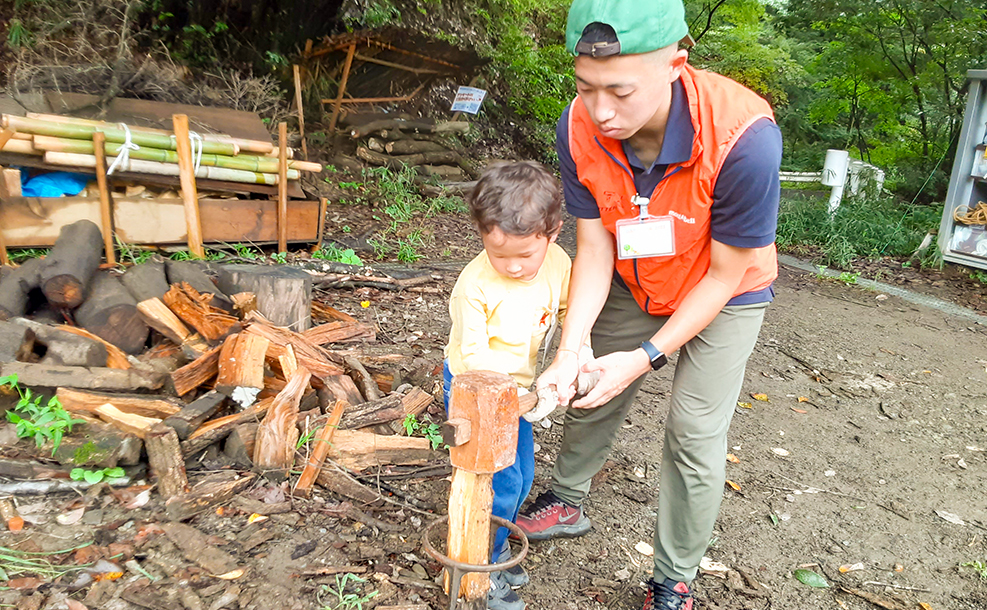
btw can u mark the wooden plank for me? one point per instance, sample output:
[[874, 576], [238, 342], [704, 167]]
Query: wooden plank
[[320, 450], [105, 204], [36, 221], [183, 146], [282, 187], [470, 502], [342, 89], [197, 372]]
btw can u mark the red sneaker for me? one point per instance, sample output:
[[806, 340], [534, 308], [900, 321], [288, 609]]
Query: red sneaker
[[551, 517], [668, 595]]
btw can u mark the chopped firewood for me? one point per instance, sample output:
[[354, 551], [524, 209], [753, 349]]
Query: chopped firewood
[[204, 496], [65, 349], [241, 363], [137, 425], [192, 273], [217, 429], [71, 264], [284, 294], [388, 380], [244, 303], [374, 412], [198, 549], [29, 469], [191, 306], [341, 387], [317, 360], [147, 280], [416, 401], [16, 342], [339, 332], [368, 387], [15, 287], [359, 450], [92, 378], [111, 312], [158, 316], [274, 449], [322, 313], [340, 482], [164, 456], [77, 401], [191, 416], [320, 450], [197, 372], [239, 446], [115, 358], [95, 444]]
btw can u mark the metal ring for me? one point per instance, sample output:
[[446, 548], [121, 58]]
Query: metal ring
[[472, 567]]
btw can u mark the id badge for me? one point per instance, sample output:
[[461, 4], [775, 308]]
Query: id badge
[[645, 237]]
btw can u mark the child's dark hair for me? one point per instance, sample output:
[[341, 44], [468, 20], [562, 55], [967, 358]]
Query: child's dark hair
[[520, 198]]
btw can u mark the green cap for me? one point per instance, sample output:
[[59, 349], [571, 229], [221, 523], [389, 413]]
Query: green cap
[[640, 26]]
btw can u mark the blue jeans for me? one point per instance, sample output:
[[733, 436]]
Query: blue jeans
[[512, 484]]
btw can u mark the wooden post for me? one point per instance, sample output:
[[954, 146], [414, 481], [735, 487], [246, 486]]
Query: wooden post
[[186, 172], [301, 111], [489, 401], [5, 260], [321, 445], [323, 204], [105, 204], [282, 187], [164, 456], [342, 89]]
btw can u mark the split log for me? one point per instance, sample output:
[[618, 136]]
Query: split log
[[190, 417], [164, 456], [341, 483], [284, 294], [274, 449], [111, 312], [95, 444], [241, 363], [147, 280], [322, 313], [29, 469], [16, 287], [340, 387], [138, 425], [322, 443], [192, 273], [358, 450], [115, 358], [411, 147], [381, 411], [197, 372], [71, 264], [65, 349], [218, 429], [16, 342], [409, 126], [191, 306], [204, 496], [239, 446], [244, 303], [339, 332], [158, 316], [368, 387], [317, 360], [396, 162], [92, 378], [76, 401]]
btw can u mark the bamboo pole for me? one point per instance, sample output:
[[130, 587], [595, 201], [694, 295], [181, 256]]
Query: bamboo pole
[[139, 166], [380, 100], [254, 146], [301, 110], [105, 205], [187, 176], [113, 134], [283, 187], [20, 147], [251, 163], [342, 89]]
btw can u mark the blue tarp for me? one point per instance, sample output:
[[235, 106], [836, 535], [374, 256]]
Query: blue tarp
[[52, 184]]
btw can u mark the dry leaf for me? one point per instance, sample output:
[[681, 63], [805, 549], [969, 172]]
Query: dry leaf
[[256, 517], [780, 451], [954, 519], [800, 411], [733, 459], [733, 485], [644, 548], [237, 573], [713, 567], [803, 399], [24, 584], [851, 568], [924, 606], [745, 405], [139, 500], [760, 397], [72, 517]]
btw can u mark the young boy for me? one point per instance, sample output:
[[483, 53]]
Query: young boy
[[504, 303]]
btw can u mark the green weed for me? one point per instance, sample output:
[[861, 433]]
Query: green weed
[[332, 252], [23, 254], [980, 276], [425, 429], [380, 246], [17, 35], [34, 420], [408, 247], [848, 278], [135, 254], [280, 258], [95, 476], [336, 598], [247, 252], [980, 567]]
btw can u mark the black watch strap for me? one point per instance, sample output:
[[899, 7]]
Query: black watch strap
[[658, 359]]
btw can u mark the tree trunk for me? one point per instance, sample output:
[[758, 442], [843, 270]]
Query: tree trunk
[[111, 312], [16, 287], [71, 264], [147, 280], [284, 295]]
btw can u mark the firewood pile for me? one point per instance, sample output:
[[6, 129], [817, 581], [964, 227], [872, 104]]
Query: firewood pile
[[243, 370], [395, 142]]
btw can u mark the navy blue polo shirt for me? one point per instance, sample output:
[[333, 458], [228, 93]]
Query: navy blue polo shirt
[[744, 212]]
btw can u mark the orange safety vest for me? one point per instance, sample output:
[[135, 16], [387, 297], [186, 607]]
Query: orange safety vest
[[721, 112]]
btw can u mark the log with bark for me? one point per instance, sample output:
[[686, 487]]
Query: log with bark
[[284, 294], [111, 312], [92, 378], [193, 415], [95, 444], [164, 456], [115, 359], [16, 287], [217, 429], [397, 162], [71, 264], [274, 448], [192, 273], [64, 348], [197, 372], [340, 387], [147, 280], [16, 342], [78, 401], [204, 496], [358, 450], [362, 378], [409, 126], [239, 445]]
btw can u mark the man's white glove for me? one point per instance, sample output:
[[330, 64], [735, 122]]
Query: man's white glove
[[548, 401]]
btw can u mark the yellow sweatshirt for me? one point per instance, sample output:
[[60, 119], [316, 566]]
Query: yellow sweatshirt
[[499, 323]]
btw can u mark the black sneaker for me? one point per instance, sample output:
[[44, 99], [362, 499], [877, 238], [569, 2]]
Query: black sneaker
[[668, 595], [501, 596], [516, 576], [552, 517]]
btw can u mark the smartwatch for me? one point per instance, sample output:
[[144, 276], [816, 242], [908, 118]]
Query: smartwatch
[[658, 359]]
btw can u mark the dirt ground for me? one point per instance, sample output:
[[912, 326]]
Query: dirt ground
[[869, 449]]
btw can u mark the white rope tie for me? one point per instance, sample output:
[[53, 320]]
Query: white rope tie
[[194, 140], [123, 155]]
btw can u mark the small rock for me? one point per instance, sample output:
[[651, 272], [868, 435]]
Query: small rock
[[622, 574], [420, 571]]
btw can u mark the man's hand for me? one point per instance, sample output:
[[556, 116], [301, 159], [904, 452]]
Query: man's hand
[[617, 371], [561, 376]]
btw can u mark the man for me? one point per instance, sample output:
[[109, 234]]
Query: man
[[672, 175]]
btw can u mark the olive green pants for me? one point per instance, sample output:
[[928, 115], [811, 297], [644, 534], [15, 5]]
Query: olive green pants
[[707, 381]]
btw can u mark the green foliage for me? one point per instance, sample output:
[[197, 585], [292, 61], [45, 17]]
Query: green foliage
[[23, 254], [979, 276], [280, 258], [95, 476], [17, 35], [198, 45], [135, 254], [246, 252], [980, 567], [408, 247], [376, 14], [428, 430], [336, 597], [380, 246], [332, 252], [48, 422]]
